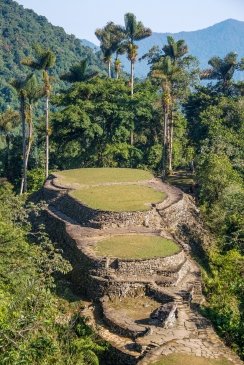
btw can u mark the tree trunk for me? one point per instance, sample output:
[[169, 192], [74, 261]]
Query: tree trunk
[[109, 69], [132, 93], [47, 137], [132, 138], [171, 130], [165, 141], [132, 66], [23, 186], [7, 138], [30, 134]]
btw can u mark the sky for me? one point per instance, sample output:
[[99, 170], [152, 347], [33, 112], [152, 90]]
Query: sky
[[82, 17]]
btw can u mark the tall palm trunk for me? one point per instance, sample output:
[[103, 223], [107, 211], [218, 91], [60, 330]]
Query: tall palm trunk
[[47, 136], [29, 138], [109, 69], [7, 138], [117, 72], [23, 186], [132, 68], [171, 131], [47, 129], [165, 141]]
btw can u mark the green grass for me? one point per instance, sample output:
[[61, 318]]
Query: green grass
[[93, 176], [118, 198], [183, 359], [136, 247]]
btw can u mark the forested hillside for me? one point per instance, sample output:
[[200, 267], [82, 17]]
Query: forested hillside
[[20, 30]]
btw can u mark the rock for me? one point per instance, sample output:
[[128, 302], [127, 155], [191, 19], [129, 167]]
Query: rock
[[166, 314]]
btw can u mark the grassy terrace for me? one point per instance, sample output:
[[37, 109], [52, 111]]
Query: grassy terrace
[[93, 176], [136, 247], [117, 198], [183, 359]]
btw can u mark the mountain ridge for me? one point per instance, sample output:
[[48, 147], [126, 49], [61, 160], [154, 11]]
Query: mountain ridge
[[215, 40], [20, 30]]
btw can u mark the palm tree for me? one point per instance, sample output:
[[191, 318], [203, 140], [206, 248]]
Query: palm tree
[[45, 59], [132, 56], [117, 66], [222, 70], [29, 93], [78, 73], [120, 50], [110, 38], [9, 120], [134, 31], [19, 86], [33, 93], [165, 71], [175, 49]]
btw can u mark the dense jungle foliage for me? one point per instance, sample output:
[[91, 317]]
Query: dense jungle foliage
[[37, 324], [166, 123]]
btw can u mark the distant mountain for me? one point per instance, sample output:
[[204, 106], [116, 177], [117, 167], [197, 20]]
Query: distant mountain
[[87, 43], [217, 40], [20, 29]]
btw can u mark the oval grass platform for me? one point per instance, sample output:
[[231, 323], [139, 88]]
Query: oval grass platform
[[93, 176], [119, 198], [183, 359], [136, 247]]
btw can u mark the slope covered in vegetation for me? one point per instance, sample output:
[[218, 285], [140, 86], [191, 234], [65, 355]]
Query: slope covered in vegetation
[[37, 326], [20, 30]]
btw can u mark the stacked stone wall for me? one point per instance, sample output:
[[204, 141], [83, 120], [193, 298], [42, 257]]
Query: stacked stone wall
[[95, 276], [95, 218]]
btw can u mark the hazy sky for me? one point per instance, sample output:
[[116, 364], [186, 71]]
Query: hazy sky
[[82, 17]]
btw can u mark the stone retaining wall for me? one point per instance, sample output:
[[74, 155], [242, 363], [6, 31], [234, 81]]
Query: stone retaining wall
[[95, 277], [185, 224], [151, 266], [159, 295], [95, 218], [81, 263], [141, 268]]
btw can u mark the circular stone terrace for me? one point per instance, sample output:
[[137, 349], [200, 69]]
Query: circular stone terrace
[[111, 189], [135, 246], [131, 257]]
